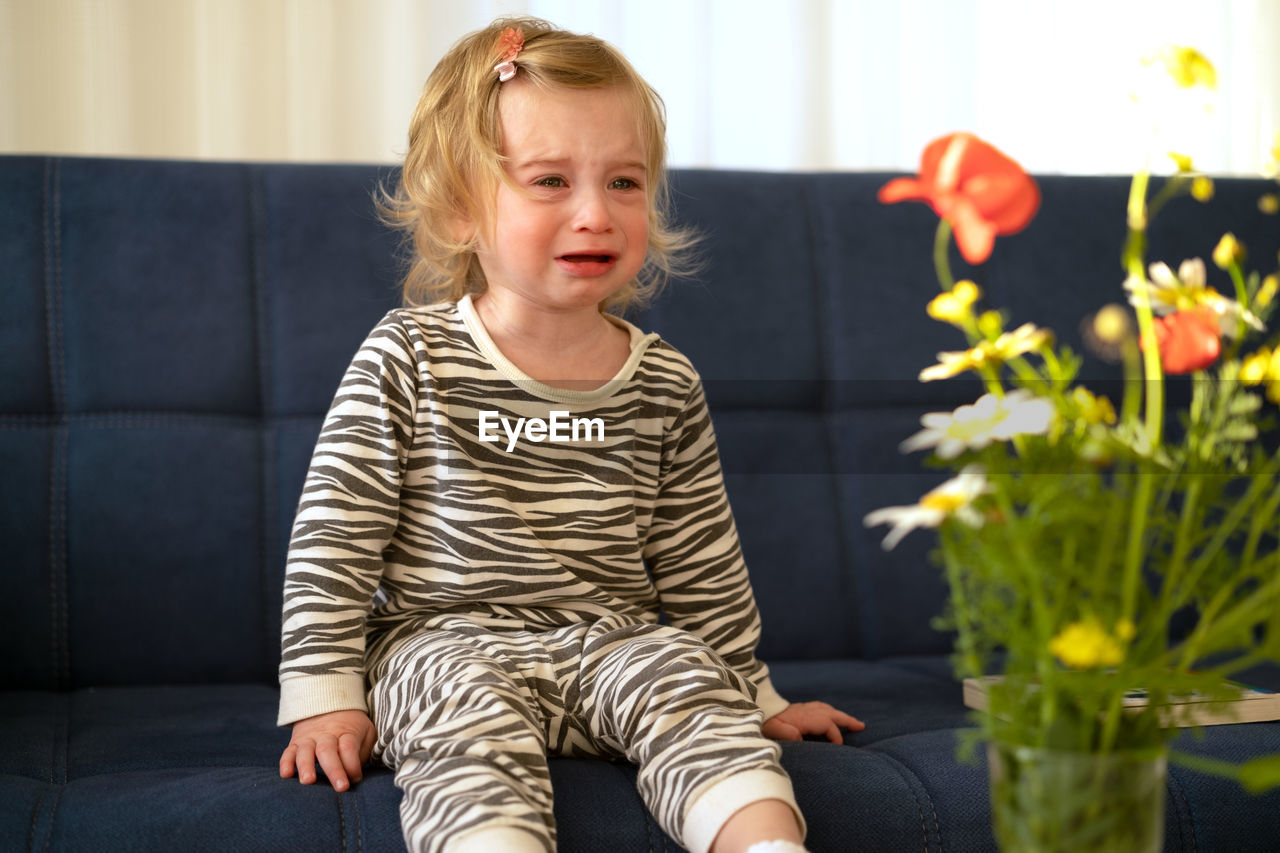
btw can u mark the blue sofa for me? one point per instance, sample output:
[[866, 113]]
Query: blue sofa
[[171, 334]]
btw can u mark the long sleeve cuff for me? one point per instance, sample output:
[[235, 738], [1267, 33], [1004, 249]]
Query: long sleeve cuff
[[308, 695], [768, 699]]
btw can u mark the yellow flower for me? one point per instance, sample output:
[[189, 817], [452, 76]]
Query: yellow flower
[[1093, 410], [1263, 366], [1267, 291], [1269, 203], [1111, 325], [967, 291], [1228, 251], [1023, 339], [1187, 66], [1085, 645], [1201, 185], [954, 363], [1254, 369], [955, 306], [1020, 341], [991, 324], [1202, 188]]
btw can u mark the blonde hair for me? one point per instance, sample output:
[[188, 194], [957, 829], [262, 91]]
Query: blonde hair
[[454, 162]]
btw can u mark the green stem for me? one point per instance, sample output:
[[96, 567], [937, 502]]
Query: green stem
[[1152, 372], [941, 260], [964, 629], [1222, 533], [1134, 261], [1039, 614], [1244, 615], [1131, 405], [1135, 550], [1261, 521], [1242, 296], [1182, 542]]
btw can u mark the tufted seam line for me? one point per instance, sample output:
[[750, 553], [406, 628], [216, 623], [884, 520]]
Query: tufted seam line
[[269, 573], [53, 283], [62, 733], [35, 820], [57, 780], [914, 784], [853, 633], [355, 808], [1186, 818], [58, 558], [56, 354], [53, 813], [342, 819]]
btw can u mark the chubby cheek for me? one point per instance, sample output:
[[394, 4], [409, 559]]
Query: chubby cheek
[[635, 223]]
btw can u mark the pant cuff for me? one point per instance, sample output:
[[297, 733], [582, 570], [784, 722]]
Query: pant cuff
[[487, 839], [712, 808]]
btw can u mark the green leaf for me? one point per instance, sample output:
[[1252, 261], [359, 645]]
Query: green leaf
[[1239, 431], [1245, 404], [1261, 774]]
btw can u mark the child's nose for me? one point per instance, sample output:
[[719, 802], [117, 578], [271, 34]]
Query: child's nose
[[592, 212]]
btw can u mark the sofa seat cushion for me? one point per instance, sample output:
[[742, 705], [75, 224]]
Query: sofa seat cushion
[[170, 768], [194, 768]]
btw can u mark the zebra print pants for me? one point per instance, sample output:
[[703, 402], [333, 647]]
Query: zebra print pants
[[466, 716]]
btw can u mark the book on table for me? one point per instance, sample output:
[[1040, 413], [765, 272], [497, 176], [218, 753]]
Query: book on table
[[1245, 704]]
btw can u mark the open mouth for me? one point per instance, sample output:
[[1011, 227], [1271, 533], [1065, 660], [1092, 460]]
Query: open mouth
[[587, 259]]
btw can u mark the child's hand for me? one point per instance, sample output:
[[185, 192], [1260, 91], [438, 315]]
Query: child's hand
[[340, 741], [810, 718]]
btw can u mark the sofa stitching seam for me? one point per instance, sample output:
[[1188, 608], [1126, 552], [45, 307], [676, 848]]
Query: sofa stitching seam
[[55, 352], [1184, 806], [258, 222], [822, 298], [53, 811], [35, 820], [355, 808], [53, 281], [909, 777]]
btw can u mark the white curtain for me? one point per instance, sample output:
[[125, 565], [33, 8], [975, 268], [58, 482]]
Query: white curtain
[[754, 84]]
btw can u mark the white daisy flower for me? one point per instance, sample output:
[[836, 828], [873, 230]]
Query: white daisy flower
[[974, 426], [1020, 341], [953, 498], [1169, 292]]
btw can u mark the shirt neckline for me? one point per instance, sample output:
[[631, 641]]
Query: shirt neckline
[[640, 342]]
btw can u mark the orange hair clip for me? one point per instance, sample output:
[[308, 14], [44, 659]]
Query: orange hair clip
[[510, 43]]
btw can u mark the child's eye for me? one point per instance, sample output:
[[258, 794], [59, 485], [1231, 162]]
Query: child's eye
[[551, 181], [624, 184]]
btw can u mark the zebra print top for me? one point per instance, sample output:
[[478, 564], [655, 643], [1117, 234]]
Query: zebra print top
[[445, 482]]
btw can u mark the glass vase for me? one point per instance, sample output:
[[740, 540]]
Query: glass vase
[[1048, 801]]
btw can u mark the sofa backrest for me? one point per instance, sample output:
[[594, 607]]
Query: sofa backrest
[[171, 334]]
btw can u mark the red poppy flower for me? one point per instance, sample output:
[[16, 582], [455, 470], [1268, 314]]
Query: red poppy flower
[[975, 187], [1189, 340]]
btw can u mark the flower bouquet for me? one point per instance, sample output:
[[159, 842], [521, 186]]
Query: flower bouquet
[[1079, 534]]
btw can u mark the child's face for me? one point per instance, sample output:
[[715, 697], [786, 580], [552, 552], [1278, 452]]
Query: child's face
[[577, 229]]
